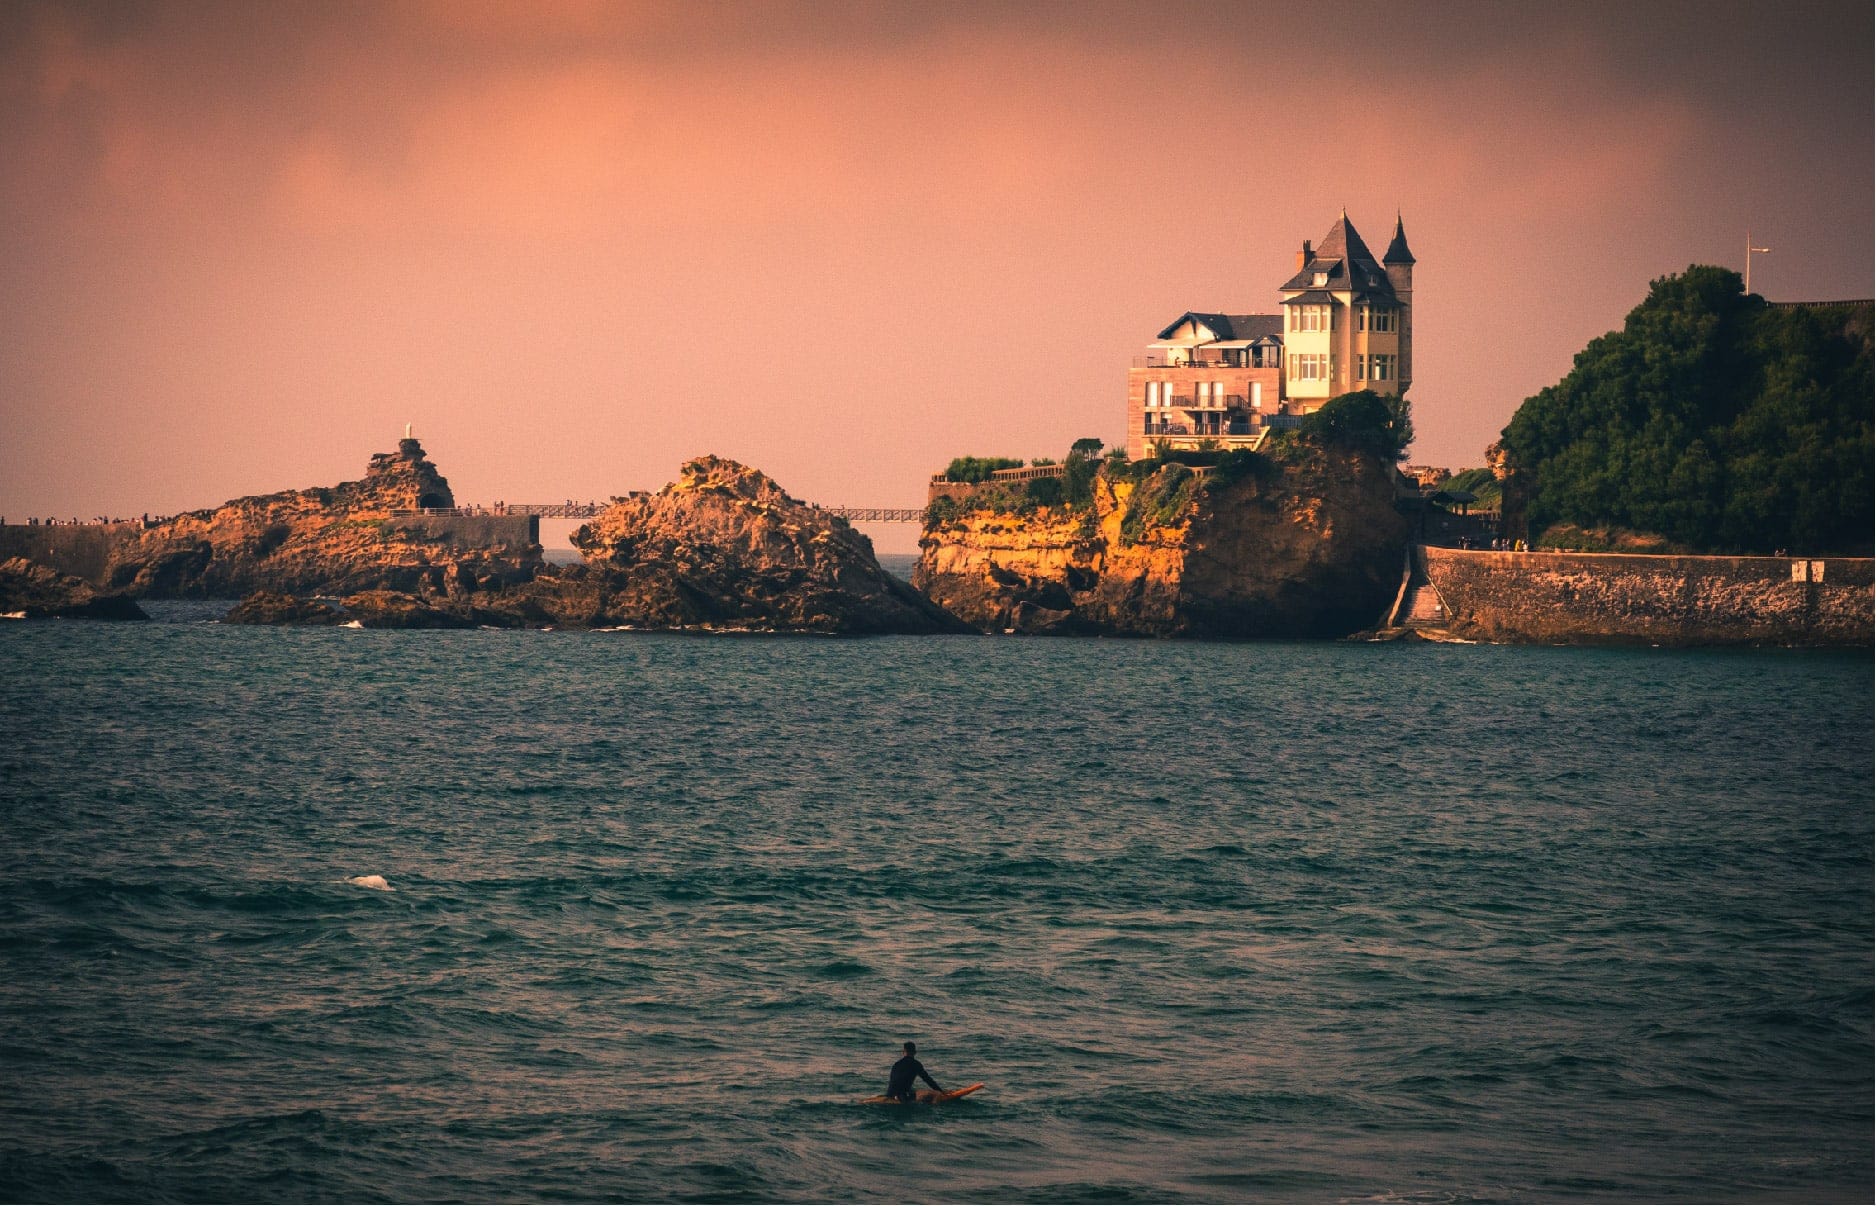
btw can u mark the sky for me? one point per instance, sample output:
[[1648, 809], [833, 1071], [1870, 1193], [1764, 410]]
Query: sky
[[574, 244]]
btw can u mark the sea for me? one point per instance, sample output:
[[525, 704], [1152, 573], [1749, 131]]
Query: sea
[[654, 913]]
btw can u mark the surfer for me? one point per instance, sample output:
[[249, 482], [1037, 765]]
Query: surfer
[[907, 1070]]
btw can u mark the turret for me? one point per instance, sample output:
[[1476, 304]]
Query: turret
[[1399, 263]]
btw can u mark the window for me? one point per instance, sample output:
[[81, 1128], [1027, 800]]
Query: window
[[1311, 366], [1321, 278], [1384, 318], [1383, 367], [1312, 318], [1361, 367]]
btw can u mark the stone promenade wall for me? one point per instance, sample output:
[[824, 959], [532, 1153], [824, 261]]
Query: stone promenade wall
[[1615, 598], [80, 550]]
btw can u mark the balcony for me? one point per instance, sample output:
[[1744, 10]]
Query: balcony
[[1200, 358]]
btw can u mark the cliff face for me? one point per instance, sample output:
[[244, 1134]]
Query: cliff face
[[724, 546], [328, 540], [1313, 547]]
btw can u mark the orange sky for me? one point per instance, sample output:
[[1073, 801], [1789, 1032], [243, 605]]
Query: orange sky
[[576, 243]]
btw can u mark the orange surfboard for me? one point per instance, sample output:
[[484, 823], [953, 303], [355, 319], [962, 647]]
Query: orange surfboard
[[926, 1096]]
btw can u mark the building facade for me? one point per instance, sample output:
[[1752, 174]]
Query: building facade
[[1345, 322]]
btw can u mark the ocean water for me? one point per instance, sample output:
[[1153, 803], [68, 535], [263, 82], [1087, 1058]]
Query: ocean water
[[1211, 922]]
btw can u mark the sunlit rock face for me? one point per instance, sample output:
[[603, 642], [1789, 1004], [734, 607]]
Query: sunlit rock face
[[725, 547], [1311, 548], [332, 540]]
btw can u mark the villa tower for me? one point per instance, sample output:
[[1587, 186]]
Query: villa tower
[[1227, 380]]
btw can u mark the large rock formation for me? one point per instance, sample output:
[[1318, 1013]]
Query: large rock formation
[[327, 540], [1309, 545], [32, 591], [725, 547]]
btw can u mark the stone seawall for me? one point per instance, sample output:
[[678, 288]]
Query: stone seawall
[[81, 550], [1614, 598]]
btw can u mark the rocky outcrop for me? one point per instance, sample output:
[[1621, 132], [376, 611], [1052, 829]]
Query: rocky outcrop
[[725, 547], [32, 591], [272, 607], [721, 549], [327, 540], [397, 609], [1306, 546]]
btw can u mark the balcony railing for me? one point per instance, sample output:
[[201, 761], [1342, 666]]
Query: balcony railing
[[1202, 359]]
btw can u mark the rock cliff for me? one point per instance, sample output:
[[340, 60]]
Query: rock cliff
[[1306, 546], [32, 591], [327, 540], [726, 547]]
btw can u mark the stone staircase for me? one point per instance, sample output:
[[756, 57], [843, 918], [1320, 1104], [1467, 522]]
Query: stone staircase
[[1422, 609]]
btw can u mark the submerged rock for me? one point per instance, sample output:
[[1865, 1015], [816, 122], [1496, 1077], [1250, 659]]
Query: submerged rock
[[396, 609], [1306, 546], [271, 607], [32, 591]]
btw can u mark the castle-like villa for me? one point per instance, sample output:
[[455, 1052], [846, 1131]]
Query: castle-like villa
[[1227, 380]]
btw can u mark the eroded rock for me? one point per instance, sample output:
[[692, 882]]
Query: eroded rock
[[32, 591]]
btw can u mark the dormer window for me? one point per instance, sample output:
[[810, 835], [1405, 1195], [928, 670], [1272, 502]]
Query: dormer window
[[1321, 278]]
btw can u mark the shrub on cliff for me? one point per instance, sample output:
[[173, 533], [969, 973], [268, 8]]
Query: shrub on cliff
[[1362, 420], [1236, 465], [978, 468], [1711, 419], [1158, 501], [1043, 491]]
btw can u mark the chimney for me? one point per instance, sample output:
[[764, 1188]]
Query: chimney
[[1302, 257]]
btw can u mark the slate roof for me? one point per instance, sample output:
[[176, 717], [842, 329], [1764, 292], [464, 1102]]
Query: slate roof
[[1231, 326], [1397, 252], [1346, 261]]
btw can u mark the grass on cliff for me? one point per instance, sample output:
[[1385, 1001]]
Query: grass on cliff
[[1159, 501]]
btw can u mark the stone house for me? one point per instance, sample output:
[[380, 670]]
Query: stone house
[[1345, 322]]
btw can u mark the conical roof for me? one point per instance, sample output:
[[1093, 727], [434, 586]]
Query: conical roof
[[1345, 261], [1397, 252]]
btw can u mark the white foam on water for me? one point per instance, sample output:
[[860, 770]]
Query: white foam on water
[[374, 882], [353, 624]]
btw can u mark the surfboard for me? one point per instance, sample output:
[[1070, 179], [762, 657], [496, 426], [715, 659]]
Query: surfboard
[[926, 1096]]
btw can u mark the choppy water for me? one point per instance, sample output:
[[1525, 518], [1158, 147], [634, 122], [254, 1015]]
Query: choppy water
[[1212, 921]]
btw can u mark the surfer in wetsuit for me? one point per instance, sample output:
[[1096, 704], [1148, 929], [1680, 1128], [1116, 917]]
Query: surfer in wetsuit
[[905, 1072]]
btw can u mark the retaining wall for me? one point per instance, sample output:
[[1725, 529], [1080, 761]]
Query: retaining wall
[[1616, 598]]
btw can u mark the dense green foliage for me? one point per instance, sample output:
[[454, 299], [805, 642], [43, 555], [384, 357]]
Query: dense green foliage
[[1043, 491], [1236, 465], [1078, 470], [1712, 420], [979, 468], [1480, 483], [1362, 420]]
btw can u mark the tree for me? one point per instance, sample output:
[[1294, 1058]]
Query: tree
[[1362, 420], [1710, 419]]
